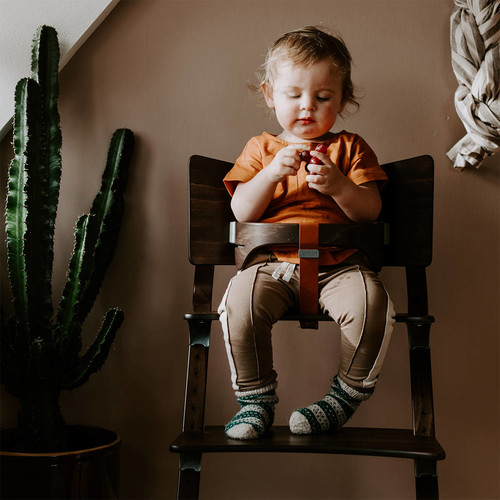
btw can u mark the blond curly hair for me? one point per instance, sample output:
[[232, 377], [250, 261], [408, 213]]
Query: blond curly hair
[[307, 46]]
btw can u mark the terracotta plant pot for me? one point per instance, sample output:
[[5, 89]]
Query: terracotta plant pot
[[90, 469]]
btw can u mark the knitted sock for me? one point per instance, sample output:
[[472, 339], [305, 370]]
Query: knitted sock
[[255, 417], [330, 413]]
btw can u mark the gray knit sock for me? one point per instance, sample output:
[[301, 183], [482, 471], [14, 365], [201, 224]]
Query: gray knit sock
[[255, 417], [331, 412]]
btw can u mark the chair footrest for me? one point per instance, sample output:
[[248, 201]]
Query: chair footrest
[[400, 317], [398, 443]]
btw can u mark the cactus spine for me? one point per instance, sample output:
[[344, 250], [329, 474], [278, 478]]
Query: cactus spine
[[40, 354]]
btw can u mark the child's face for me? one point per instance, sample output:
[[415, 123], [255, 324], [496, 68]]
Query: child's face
[[306, 99]]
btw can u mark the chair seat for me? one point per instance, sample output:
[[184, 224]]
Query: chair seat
[[398, 443]]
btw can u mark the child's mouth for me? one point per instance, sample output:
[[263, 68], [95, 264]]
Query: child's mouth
[[305, 121]]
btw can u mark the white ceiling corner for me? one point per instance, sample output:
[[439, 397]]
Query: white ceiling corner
[[74, 20]]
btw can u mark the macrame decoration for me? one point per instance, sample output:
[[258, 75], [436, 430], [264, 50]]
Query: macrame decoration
[[475, 51]]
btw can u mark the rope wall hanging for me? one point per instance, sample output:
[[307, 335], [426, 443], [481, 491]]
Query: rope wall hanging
[[475, 51]]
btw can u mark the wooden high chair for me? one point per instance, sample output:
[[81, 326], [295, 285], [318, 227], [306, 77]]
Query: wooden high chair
[[402, 237]]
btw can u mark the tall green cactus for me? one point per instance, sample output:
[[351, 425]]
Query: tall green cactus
[[41, 355]]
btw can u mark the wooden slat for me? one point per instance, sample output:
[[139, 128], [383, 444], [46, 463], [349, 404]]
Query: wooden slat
[[400, 317], [398, 443]]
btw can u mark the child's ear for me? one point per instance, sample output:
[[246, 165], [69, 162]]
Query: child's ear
[[268, 95]]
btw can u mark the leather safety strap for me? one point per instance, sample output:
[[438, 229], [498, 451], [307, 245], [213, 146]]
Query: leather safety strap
[[308, 271]]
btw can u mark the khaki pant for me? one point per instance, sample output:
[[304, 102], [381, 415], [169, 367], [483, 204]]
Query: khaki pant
[[351, 294]]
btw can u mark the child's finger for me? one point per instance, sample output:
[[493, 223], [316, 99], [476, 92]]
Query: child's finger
[[315, 169], [314, 178], [323, 157], [319, 155]]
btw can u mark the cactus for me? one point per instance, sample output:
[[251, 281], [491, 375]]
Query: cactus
[[41, 351]]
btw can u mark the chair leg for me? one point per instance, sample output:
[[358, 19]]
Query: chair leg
[[194, 407], [196, 385], [421, 386], [426, 480], [188, 487]]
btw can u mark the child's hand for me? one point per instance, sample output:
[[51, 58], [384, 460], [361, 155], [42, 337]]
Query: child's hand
[[322, 177], [285, 163]]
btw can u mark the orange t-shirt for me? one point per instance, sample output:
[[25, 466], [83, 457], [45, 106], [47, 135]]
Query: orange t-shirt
[[293, 200]]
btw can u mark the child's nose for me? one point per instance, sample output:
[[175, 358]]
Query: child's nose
[[307, 103]]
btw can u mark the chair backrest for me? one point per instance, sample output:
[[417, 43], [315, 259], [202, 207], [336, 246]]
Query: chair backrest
[[209, 212], [407, 201], [407, 209]]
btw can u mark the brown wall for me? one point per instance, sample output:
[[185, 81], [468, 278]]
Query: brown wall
[[176, 73]]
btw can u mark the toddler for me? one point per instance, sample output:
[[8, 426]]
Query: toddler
[[307, 82]]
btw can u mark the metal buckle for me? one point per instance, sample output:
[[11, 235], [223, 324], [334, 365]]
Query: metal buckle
[[307, 253]]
